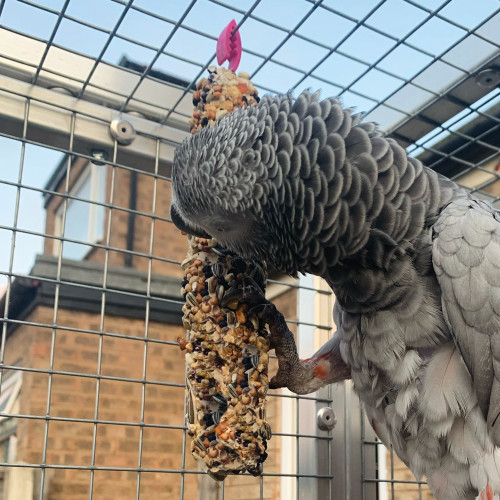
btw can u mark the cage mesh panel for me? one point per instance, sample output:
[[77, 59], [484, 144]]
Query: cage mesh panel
[[86, 70]]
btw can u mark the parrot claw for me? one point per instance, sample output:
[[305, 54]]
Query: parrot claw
[[251, 295], [300, 376]]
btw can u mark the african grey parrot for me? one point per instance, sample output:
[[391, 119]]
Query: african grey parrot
[[413, 260]]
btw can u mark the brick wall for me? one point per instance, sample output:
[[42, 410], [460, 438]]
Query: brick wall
[[73, 396]]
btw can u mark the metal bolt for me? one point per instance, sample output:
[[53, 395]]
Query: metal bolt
[[122, 130], [326, 419], [488, 78], [100, 157]]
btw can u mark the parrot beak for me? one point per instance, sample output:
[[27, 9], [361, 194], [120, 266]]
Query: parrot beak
[[183, 225]]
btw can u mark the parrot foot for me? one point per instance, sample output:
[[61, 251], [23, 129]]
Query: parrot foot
[[301, 377], [487, 494]]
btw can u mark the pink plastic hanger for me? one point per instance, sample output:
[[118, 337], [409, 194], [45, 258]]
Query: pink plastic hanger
[[229, 46]]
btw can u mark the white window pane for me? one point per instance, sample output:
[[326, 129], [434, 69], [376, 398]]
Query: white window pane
[[97, 230], [84, 221], [83, 190], [76, 228]]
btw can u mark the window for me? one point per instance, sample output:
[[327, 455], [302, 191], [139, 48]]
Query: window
[[84, 220], [9, 404], [11, 385]]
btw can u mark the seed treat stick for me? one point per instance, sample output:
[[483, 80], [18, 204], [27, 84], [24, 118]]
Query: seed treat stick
[[226, 347], [227, 359]]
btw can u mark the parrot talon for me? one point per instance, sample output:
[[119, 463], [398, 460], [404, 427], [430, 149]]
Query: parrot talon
[[250, 282], [251, 295], [258, 306]]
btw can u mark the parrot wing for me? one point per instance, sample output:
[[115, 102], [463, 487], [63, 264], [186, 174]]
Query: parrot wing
[[466, 260]]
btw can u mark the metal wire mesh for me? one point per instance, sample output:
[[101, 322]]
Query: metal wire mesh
[[427, 71]]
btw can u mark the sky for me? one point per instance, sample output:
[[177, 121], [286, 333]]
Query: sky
[[350, 70]]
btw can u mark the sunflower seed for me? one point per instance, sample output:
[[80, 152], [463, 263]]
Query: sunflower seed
[[191, 298], [187, 262], [219, 292], [231, 319], [255, 360], [232, 390], [222, 252], [190, 411], [217, 269], [220, 399], [198, 442], [266, 431], [212, 284]]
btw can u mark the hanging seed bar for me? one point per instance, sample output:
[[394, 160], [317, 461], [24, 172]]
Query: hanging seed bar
[[227, 362], [227, 347]]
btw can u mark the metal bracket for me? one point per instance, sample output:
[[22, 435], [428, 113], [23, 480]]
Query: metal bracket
[[49, 123], [326, 418], [122, 130]]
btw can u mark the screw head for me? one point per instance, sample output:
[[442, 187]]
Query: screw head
[[326, 419], [488, 78], [122, 130]]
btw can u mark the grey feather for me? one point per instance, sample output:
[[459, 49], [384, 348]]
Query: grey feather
[[336, 142], [335, 118], [319, 130], [409, 175], [345, 128], [366, 164], [387, 161], [380, 146], [357, 143]]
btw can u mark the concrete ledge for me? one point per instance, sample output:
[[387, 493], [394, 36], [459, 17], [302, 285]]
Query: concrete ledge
[[80, 289]]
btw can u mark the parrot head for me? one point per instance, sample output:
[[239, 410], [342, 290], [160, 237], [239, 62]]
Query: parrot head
[[227, 183]]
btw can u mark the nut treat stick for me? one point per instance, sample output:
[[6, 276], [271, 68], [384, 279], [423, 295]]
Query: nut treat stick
[[226, 347], [227, 360]]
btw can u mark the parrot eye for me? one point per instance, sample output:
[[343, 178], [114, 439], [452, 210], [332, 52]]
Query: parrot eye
[[220, 230]]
